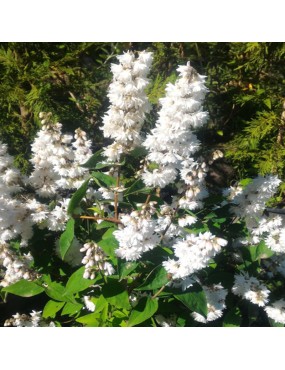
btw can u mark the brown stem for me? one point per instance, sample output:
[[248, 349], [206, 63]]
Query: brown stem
[[111, 219], [158, 292], [147, 199]]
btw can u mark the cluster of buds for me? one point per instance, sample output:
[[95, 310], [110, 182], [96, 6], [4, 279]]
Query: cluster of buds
[[95, 260]]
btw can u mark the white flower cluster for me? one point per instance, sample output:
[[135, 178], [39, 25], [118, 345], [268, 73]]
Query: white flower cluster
[[13, 211], [129, 103], [95, 260], [248, 287], [137, 234], [276, 311], [54, 219], [271, 229], [16, 267], [216, 296], [193, 253], [250, 202], [33, 320], [56, 159], [172, 142]]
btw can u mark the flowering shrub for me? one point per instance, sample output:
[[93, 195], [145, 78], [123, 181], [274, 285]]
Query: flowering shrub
[[133, 235]]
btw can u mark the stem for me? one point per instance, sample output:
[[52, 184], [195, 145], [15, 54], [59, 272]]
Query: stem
[[116, 194], [157, 293], [111, 219]]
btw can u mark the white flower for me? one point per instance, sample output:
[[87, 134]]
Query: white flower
[[216, 296], [137, 236], [276, 311], [193, 253], [89, 304], [251, 289]]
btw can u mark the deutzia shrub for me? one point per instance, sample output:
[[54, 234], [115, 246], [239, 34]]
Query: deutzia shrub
[[133, 235]]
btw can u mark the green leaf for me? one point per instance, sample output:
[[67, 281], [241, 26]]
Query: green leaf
[[57, 292], [156, 280], [109, 233], [100, 304], [125, 268], [71, 309], [66, 238], [195, 300], [109, 246], [145, 309], [137, 187], [51, 308], [92, 161], [24, 288], [116, 294], [232, 318], [262, 251], [77, 197], [77, 283], [105, 225], [104, 180], [91, 319]]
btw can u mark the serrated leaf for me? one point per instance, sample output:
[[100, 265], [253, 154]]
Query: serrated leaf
[[195, 300], [66, 238], [51, 308], [24, 288], [156, 280], [77, 283], [104, 180], [232, 318], [145, 309], [77, 197]]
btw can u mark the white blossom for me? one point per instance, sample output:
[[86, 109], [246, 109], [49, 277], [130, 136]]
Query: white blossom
[[193, 253], [129, 104], [216, 296], [276, 311], [136, 236], [251, 289]]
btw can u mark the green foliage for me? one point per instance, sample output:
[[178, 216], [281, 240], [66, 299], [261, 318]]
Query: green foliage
[[67, 237], [24, 288]]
